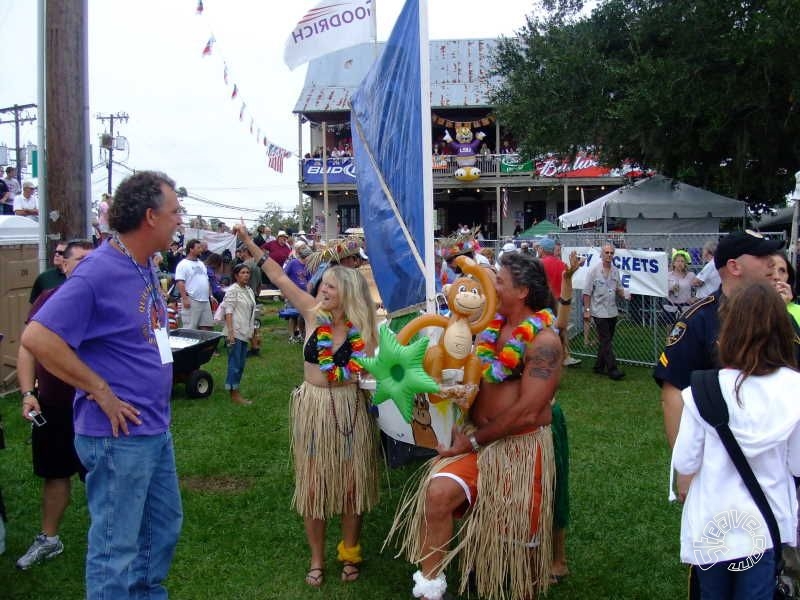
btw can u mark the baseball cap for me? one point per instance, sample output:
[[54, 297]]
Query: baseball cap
[[509, 247], [282, 233], [738, 243], [547, 244]]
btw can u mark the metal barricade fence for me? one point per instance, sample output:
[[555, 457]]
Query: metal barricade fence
[[643, 324]]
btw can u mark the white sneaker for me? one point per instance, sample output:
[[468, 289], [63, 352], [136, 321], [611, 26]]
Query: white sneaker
[[40, 550], [571, 361]]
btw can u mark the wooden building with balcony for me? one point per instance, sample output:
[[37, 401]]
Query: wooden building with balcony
[[509, 194]]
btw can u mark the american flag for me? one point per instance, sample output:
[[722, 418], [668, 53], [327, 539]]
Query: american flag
[[505, 203], [276, 155]]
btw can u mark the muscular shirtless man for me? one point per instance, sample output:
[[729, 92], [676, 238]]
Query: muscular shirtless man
[[507, 528]]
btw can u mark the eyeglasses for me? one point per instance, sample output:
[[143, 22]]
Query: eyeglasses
[[611, 253], [60, 252]]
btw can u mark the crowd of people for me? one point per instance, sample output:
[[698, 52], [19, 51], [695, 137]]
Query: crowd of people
[[113, 356], [18, 199]]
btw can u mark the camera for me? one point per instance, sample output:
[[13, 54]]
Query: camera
[[37, 417]]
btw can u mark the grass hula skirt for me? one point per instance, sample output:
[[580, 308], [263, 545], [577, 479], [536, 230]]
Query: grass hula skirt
[[494, 539], [335, 449]]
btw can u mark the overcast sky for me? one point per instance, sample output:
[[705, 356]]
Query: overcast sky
[[145, 59]]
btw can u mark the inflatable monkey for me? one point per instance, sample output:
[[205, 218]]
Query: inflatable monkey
[[465, 296]]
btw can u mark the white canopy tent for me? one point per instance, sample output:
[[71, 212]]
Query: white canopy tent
[[658, 204]]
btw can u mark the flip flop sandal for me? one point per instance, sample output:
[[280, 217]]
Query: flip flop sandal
[[350, 572], [315, 576]]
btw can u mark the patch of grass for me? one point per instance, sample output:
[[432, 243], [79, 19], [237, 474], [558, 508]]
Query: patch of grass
[[240, 540]]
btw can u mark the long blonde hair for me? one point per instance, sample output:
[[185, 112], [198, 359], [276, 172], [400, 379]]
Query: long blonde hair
[[356, 301]]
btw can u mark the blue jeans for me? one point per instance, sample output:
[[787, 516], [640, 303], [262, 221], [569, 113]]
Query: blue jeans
[[237, 356], [135, 508], [755, 583]]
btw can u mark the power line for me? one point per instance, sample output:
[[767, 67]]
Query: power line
[[221, 205], [240, 209], [287, 186], [224, 219]]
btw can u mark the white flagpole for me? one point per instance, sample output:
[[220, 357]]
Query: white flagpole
[[427, 157]]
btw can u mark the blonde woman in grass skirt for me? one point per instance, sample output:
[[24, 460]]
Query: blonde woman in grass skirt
[[334, 439]]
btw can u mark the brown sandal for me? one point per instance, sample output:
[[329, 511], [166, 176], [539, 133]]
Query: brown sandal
[[315, 576], [350, 572]]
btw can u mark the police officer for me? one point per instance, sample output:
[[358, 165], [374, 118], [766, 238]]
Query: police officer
[[742, 258]]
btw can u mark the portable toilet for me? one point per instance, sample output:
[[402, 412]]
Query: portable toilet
[[19, 266]]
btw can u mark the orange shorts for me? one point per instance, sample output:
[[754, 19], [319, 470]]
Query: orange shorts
[[464, 471]]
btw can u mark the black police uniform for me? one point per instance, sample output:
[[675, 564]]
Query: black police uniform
[[692, 343]]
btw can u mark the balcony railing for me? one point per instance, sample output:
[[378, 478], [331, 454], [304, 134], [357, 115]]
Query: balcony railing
[[342, 170]]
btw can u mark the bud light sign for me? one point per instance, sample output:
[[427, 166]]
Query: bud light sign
[[339, 170]]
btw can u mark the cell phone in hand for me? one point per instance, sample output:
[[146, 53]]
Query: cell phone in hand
[[37, 417]]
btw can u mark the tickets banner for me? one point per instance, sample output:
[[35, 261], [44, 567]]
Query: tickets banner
[[642, 272]]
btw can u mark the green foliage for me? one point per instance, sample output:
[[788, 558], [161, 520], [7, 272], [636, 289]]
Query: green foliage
[[704, 90], [279, 218], [240, 540]]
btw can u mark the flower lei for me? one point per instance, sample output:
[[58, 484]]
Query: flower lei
[[325, 349], [498, 366]]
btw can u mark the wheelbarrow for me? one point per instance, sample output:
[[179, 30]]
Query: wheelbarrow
[[191, 349]]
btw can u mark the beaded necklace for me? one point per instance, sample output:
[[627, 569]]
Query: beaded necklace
[[325, 349], [498, 366]]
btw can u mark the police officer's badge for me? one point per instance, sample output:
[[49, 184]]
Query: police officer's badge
[[676, 334]]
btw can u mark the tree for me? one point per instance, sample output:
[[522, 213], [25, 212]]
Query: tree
[[706, 90], [287, 219]]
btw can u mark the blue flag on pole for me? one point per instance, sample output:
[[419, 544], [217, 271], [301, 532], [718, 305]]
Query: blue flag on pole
[[394, 182]]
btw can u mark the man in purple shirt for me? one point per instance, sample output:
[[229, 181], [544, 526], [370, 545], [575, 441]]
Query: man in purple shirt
[[295, 269], [115, 351]]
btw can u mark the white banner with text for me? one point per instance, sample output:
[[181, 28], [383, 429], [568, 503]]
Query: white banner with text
[[642, 272]]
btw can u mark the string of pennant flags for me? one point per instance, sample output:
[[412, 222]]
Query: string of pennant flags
[[485, 122], [276, 154]]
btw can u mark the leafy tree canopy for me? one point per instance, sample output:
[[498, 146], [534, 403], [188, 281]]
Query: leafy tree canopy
[[278, 218], [706, 90]]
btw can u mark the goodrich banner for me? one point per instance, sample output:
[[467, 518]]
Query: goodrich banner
[[331, 25]]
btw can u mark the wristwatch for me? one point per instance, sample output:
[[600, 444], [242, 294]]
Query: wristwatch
[[263, 259], [475, 445], [28, 393]]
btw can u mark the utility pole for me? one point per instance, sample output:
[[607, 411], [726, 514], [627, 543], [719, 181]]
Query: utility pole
[[66, 113], [107, 140], [18, 120]]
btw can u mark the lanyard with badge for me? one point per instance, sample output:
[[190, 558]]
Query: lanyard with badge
[[161, 332]]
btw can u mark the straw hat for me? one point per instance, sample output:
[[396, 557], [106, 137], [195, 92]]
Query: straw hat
[[336, 251]]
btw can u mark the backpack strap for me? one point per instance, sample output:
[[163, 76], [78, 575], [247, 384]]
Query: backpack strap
[[712, 407]]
